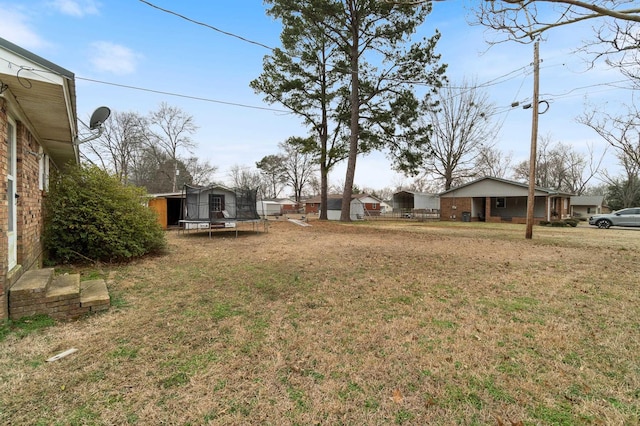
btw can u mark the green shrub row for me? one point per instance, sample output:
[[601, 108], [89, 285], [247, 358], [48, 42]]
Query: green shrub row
[[560, 223]]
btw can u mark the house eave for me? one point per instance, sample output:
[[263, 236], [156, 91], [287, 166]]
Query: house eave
[[44, 95]]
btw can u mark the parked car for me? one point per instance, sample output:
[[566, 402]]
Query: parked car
[[624, 217]]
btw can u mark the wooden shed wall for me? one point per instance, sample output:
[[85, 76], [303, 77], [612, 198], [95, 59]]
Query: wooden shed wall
[[159, 205]]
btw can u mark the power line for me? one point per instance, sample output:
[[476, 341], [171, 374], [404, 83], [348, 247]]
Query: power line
[[197, 98], [257, 43], [567, 93]]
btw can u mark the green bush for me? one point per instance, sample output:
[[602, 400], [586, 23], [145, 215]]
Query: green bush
[[544, 222], [571, 222], [558, 223], [90, 215]]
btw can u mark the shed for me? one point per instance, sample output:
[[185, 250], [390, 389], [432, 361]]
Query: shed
[[409, 201], [168, 207], [334, 209], [269, 208]]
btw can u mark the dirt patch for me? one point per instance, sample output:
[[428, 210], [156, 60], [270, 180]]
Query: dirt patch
[[369, 323]]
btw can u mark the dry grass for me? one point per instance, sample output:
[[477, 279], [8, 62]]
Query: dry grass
[[390, 323]]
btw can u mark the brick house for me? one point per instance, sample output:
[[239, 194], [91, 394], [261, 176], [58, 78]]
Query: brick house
[[499, 200], [38, 129], [371, 204]]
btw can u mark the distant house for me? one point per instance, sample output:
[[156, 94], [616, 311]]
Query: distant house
[[38, 130], [411, 201], [499, 200], [585, 206], [312, 205], [372, 205]]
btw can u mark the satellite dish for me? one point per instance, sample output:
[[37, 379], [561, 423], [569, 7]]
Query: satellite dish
[[98, 117]]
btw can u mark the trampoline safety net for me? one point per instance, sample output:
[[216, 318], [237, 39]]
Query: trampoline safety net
[[217, 203]]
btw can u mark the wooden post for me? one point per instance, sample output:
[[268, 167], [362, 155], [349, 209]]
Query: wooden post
[[534, 142]]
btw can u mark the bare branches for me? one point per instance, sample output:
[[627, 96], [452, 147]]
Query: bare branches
[[461, 128], [526, 20], [620, 131]]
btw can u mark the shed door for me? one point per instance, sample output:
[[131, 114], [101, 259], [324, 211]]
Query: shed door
[[12, 197], [216, 205]]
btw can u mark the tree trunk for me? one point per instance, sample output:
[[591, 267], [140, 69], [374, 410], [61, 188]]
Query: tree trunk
[[345, 213], [324, 187]]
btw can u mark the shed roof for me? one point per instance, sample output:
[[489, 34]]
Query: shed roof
[[426, 194], [336, 203]]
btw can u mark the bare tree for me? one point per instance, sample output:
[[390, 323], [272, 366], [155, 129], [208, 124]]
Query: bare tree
[[490, 161], [170, 131], [526, 20], [561, 167], [424, 184], [461, 126], [122, 139], [622, 132], [314, 186], [272, 169], [201, 171], [245, 177], [383, 194], [299, 164], [624, 191]]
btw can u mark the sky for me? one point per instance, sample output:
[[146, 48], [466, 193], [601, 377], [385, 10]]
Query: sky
[[109, 45]]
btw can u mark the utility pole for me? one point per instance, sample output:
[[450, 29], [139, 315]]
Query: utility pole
[[534, 142]]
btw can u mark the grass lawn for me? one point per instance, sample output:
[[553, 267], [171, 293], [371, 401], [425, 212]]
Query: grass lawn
[[347, 324]]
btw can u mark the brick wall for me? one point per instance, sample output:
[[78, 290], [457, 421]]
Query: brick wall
[[29, 205], [451, 208], [30, 201]]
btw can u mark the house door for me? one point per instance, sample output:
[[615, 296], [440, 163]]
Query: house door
[[12, 197]]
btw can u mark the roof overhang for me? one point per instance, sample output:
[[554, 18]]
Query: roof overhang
[[44, 97]]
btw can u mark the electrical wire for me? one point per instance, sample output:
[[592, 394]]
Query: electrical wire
[[206, 25], [568, 92], [197, 98]]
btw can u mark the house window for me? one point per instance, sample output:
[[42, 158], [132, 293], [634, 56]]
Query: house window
[[589, 210], [501, 202], [374, 206]]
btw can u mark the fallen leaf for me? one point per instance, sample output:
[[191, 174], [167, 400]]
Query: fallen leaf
[[397, 396]]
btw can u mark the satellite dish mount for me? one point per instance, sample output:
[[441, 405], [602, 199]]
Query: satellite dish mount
[[99, 116]]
